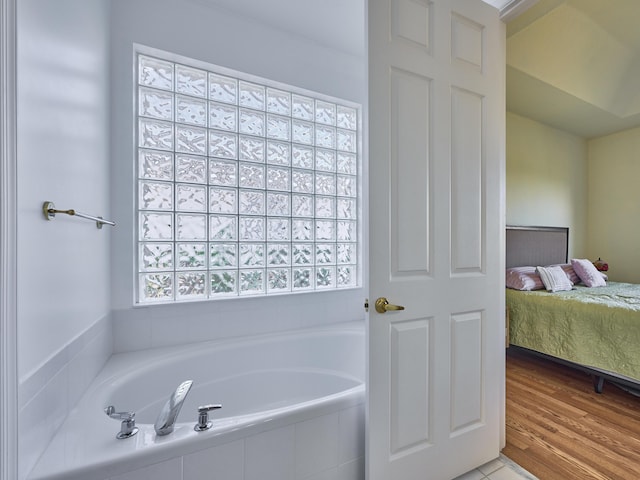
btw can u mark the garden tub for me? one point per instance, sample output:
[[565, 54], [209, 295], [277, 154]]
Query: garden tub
[[278, 392]]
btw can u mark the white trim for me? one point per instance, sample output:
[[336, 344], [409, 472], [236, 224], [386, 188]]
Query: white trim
[[8, 244], [513, 8]]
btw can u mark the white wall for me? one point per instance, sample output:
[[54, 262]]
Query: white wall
[[560, 179], [614, 203], [63, 304], [547, 179], [201, 30], [63, 156]]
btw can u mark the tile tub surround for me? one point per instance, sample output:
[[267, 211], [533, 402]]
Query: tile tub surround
[[49, 393], [154, 326], [328, 454]]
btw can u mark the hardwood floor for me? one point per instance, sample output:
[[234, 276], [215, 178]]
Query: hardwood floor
[[558, 428]]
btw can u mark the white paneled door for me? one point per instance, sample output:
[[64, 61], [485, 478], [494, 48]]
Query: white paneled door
[[436, 156]]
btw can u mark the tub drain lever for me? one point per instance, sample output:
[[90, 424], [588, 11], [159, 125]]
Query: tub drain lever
[[203, 417], [128, 426]]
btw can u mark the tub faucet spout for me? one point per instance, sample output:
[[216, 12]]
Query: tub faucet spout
[[167, 417]]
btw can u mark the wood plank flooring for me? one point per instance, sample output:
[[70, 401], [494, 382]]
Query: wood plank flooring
[[557, 427]]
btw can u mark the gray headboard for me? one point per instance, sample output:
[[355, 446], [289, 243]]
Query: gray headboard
[[536, 246]]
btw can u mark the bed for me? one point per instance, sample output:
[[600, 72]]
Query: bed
[[595, 329]]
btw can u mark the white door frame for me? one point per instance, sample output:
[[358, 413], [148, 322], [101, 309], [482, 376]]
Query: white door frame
[[8, 244]]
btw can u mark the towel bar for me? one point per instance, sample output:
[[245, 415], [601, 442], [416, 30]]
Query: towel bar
[[49, 210]]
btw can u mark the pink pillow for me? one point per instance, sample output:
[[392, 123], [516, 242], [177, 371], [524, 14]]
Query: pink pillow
[[523, 278], [588, 273], [571, 273]]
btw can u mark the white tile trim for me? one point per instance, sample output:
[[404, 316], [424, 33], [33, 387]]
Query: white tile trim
[[58, 384]]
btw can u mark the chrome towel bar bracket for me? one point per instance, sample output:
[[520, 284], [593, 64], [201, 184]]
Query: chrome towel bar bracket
[[49, 210]]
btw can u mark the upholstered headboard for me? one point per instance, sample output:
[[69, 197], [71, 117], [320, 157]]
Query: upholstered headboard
[[536, 246]]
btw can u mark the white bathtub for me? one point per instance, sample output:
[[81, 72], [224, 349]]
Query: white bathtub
[[292, 407]]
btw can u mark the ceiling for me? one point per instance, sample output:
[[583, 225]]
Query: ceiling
[[575, 65]]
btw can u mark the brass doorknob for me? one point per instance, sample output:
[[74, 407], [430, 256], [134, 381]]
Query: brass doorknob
[[383, 305]]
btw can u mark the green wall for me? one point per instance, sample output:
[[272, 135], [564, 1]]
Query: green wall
[[614, 203], [547, 179]]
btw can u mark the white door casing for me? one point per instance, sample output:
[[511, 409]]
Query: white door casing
[[8, 243], [436, 164]]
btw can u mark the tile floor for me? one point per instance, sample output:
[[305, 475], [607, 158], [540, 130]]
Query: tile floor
[[502, 468]]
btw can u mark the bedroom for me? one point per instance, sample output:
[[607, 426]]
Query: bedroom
[[573, 136]]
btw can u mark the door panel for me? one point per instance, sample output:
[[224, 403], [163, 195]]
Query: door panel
[[410, 98], [466, 42], [466, 371], [409, 389], [467, 202], [411, 22]]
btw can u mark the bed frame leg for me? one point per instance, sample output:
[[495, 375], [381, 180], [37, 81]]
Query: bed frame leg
[[598, 383]]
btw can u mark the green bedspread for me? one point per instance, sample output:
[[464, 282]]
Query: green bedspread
[[597, 327]]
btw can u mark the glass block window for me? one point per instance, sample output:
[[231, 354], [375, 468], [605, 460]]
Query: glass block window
[[245, 186]]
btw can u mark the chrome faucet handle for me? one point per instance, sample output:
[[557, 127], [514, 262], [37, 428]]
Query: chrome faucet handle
[[203, 417], [128, 426]]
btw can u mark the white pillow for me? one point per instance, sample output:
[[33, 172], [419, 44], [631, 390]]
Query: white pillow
[[554, 278]]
